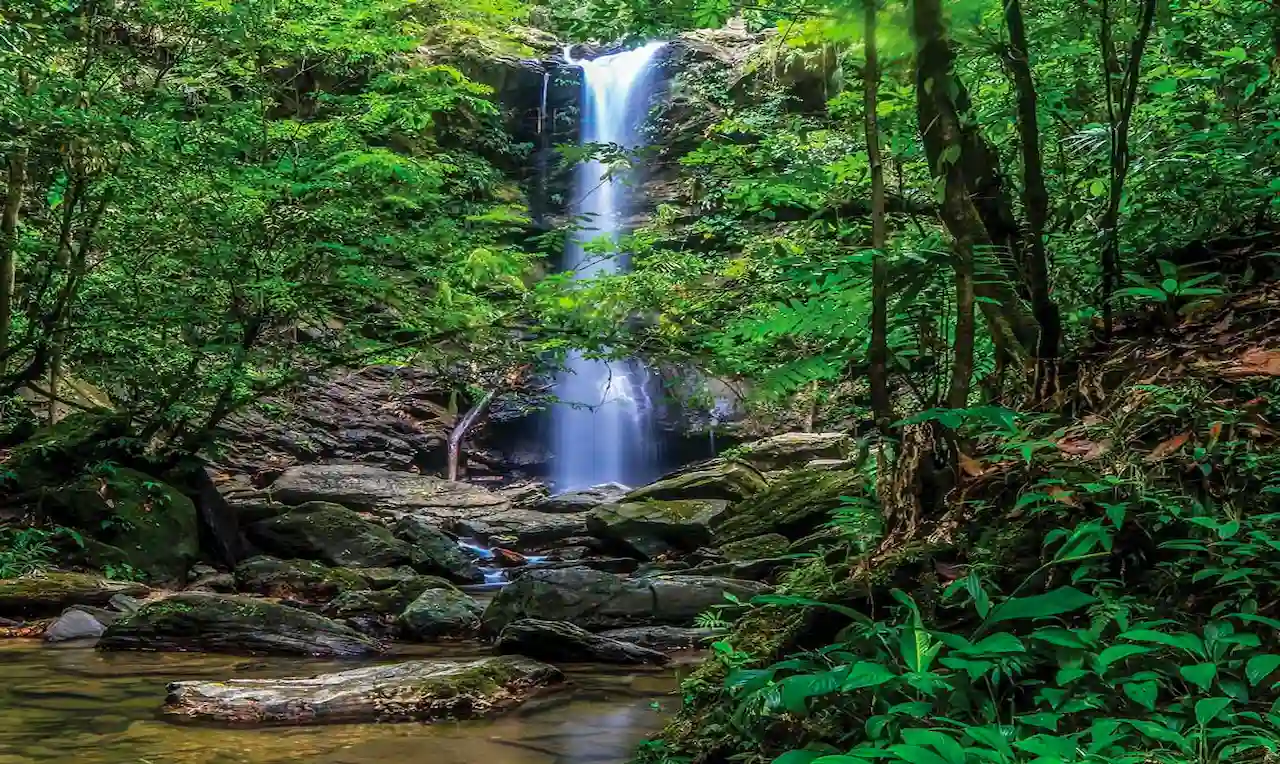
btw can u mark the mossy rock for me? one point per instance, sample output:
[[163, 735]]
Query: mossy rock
[[649, 529], [725, 479], [305, 580], [793, 507], [436, 553], [52, 592], [57, 453], [794, 449], [756, 547], [438, 613], [153, 526], [382, 603], [331, 534], [219, 623], [421, 691]]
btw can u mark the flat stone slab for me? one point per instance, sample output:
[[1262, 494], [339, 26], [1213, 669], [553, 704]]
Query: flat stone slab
[[419, 691]]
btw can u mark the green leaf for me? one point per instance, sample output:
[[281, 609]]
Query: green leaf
[[1260, 667], [1001, 642], [1142, 693], [1209, 708], [801, 756], [944, 744], [1188, 642], [1043, 720], [1119, 653], [1200, 674], [1061, 600], [866, 674], [914, 754], [1165, 86]]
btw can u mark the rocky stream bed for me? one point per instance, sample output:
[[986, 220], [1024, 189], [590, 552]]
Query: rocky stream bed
[[369, 596]]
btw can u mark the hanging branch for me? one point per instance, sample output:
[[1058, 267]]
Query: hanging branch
[[1127, 97]]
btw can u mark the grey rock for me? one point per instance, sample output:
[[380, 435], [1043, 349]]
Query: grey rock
[[438, 613], [562, 641], [665, 637], [597, 600]]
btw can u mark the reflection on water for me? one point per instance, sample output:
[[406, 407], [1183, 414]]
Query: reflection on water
[[77, 705]]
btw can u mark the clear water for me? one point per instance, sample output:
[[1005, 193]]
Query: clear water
[[79, 706], [603, 427]]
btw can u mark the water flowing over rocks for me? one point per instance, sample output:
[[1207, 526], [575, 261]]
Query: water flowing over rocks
[[420, 691], [219, 623]]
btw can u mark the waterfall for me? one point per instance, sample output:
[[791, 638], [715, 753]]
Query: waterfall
[[603, 424]]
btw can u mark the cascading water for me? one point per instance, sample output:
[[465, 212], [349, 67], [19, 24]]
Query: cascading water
[[603, 425]]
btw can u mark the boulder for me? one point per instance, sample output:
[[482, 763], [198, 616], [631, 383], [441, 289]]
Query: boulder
[[219, 623], [143, 522], [420, 691], [385, 578], [793, 449], [382, 603], [374, 489], [562, 641], [597, 600], [665, 637], [78, 623], [463, 509], [723, 479], [756, 547], [583, 499], [653, 528], [438, 613], [50, 593], [331, 534], [295, 579], [794, 506], [436, 553]]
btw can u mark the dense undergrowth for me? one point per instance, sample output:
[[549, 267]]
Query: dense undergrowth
[[1100, 588]]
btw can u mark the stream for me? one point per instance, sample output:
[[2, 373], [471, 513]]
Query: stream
[[74, 704]]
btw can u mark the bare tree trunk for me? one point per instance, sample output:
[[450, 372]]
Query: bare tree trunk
[[1128, 96], [14, 189], [879, 355], [63, 261], [460, 430], [1035, 197]]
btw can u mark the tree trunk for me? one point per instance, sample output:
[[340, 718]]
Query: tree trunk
[[962, 355], [14, 188], [1035, 198], [879, 355], [460, 430], [974, 208], [1128, 96]]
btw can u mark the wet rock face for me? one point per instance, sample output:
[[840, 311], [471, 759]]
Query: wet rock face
[[373, 489], [584, 499], [421, 691], [219, 623], [597, 600], [562, 641]]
